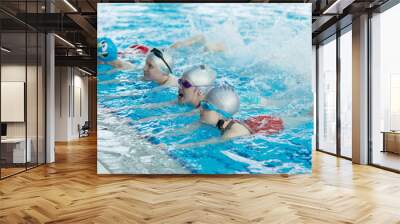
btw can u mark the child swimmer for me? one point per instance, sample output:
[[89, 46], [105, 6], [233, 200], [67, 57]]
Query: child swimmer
[[193, 86], [221, 103]]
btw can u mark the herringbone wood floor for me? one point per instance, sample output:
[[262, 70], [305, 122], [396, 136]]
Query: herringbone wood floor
[[69, 191]]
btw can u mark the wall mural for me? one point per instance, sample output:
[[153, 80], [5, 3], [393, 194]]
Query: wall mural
[[204, 88]]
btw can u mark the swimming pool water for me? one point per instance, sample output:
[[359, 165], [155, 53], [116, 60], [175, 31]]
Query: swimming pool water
[[268, 58]]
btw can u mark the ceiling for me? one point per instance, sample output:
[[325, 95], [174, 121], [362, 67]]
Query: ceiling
[[75, 21]]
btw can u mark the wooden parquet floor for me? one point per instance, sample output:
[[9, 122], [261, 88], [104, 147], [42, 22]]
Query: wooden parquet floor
[[70, 191]]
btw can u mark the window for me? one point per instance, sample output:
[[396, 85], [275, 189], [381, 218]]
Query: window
[[346, 94], [22, 75], [385, 89], [327, 97]]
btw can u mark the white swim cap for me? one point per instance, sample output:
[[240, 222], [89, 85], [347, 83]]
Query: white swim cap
[[224, 98], [162, 59], [200, 75]]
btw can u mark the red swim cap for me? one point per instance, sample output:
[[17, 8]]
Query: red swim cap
[[141, 48]]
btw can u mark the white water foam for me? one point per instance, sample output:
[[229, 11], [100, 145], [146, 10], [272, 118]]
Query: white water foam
[[121, 150]]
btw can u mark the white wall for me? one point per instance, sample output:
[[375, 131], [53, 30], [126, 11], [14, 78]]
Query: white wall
[[61, 103], [17, 73], [71, 94], [81, 84], [12, 73], [13, 101]]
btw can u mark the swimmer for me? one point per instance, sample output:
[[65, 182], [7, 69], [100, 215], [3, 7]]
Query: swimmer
[[120, 60], [158, 68], [140, 49], [194, 85], [159, 63], [107, 53], [221, 103]]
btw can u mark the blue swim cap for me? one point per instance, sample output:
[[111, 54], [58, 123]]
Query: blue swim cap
[[106, 50]]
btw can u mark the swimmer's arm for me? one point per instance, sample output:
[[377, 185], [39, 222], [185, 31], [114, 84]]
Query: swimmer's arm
[[214, 47], [292, 122], [111, 71], [144, 106], [233, 134], [114, 70], [150, 106], [130, 93], [157, 105], [129, 51], [185, 130], [202, 143], [158, 88], [112, 81], [276, 103], [188, 128], [190, 41], [124, 65], [119, 65], [168, 116], [152, 90]]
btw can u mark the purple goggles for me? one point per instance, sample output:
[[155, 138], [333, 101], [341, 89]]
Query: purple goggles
[[184, 83]]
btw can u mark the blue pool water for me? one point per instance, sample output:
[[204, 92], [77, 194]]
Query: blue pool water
[[268, 61]]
